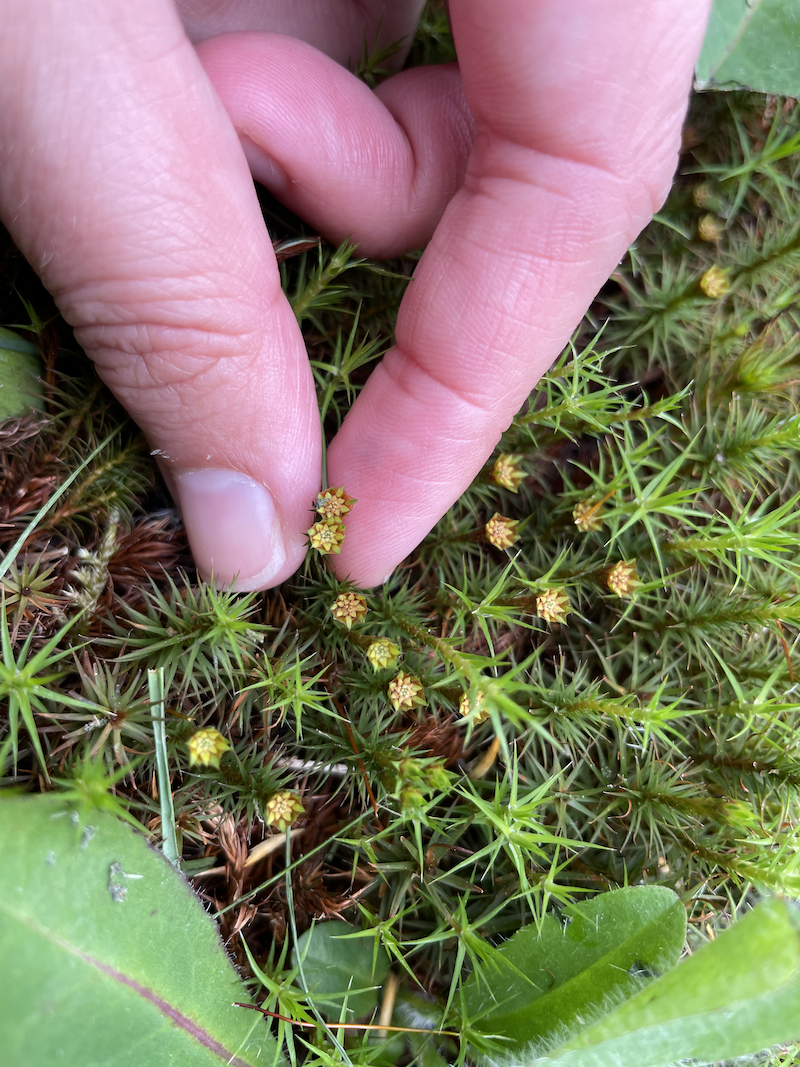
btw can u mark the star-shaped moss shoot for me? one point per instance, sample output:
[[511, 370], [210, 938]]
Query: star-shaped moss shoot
[[206, 747], [553, 605], [405, 692], [476, 710], [334, 504], [383, 653], [501, 532], [623, 578], [507, 471], [348, 608], [587, 516], [282, 809], [327, 537]]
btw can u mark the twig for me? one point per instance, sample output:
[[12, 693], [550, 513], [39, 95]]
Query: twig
[[785, 650], [483, 765], [303, 765], [387, 1004], [269, 845], [348, 1026]]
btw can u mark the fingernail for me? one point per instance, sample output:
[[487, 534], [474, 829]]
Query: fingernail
[[233, 527], [262, 166]]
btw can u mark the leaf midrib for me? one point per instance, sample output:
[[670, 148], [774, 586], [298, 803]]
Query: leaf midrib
[[177, 1017], [736, 40]]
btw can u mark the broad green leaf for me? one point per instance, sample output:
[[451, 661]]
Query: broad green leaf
[[106, 955], [558, 974], [20, 376], [752, 44], [412, 1010], [335, 965], [737, 995]]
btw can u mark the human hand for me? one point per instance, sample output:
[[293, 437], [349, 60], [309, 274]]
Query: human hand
[[123, 182]]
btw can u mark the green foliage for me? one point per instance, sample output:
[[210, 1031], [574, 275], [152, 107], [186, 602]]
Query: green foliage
[[106, 955], [26, 680], [752, 46], [343, 972], [88, 790], [649, 740], [735, 996], [202, 634], [19, 374], [546, 980]]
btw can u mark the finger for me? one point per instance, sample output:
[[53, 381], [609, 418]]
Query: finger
[[124, 184], [345, 30], [376, 167], [579, 109]]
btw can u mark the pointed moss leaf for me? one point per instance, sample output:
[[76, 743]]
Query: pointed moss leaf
[[737, 995], [106, 955], [335, 965], [20, 376], [752, 44], [549, 980]]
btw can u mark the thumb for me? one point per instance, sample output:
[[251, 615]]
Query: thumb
[[123, 182]]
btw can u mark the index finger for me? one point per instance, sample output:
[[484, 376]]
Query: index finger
[[579, 110]]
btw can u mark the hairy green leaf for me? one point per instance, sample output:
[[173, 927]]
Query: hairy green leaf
[[20, 381], [106, 955], [752, 44], [556, 975], [737, 995], [335, 967]]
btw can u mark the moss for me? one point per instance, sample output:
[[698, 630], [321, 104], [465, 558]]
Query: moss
[[646, 738]]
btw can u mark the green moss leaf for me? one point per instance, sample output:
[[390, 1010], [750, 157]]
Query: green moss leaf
[[335, 965], [20, 376], [106, 955], [752, 44], [559, 974], [737, 995]]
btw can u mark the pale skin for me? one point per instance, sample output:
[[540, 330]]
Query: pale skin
[[127, 139]]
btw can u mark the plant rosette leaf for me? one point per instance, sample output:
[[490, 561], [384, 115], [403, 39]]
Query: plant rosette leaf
[[737, 995], [552, 978], [338, 968], [752, 44], [106, 955], [20, 376], [419, 1014]]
